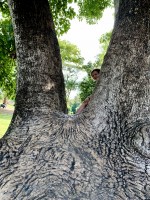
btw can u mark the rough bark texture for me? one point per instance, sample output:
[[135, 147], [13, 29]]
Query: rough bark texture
[[103, 153], [40, 78]]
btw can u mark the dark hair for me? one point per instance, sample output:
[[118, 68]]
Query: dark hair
[[95, 70]]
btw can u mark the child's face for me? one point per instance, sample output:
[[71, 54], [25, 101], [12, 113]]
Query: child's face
[[95, 75]]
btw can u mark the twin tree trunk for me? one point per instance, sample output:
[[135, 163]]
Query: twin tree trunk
[[103, 153]]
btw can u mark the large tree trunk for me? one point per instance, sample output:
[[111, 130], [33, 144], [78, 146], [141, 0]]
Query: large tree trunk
[[103, 153], [40, 79]]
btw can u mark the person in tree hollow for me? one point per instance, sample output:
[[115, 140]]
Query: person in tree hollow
[[95, 73]]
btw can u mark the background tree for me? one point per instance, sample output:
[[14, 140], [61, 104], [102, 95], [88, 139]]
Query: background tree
[[102, 153], [62, 13], [87, 85], [72, 65], [73, 104], [7, 61], [104, 43]]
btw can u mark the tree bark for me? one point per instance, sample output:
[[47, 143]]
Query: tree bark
[[102, 153], [5, 100], [116, 5], [40, 78]]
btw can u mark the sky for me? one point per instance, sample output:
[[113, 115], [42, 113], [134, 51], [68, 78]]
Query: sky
[[86, 37]]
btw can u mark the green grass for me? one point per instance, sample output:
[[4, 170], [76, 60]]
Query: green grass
[[5, 117], [4, 123]]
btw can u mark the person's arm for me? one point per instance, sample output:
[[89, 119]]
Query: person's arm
[[83, 105]]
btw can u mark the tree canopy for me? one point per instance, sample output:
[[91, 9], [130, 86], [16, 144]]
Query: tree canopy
[[63, 12], [87, 85], [104, 42], [7, 61], [72, 65]]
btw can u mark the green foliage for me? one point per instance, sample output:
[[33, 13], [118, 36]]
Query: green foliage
[[4, 8], [70, 81], [7, 42], [92, 10], [71, 55], [8, 79], [87, 85], [74, 107], [86, 88], [105, 39], [63, 11], [7, 55], [88, 68], [104, 42], [72, 65], [62, 14], [73, 104]]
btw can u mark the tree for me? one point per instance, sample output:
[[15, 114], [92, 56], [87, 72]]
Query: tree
[[72, 65], [70, 54], [102, 153], [104, 42], [62, 12], [7, 61], [87, 85], [73, 104]]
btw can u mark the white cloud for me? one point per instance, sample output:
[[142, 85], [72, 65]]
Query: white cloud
[[86, 37]]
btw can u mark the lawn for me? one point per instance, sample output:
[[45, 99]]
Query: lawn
[[5, 118], [4, 122]]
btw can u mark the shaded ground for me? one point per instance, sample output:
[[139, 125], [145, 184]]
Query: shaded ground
[[6, 110]]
